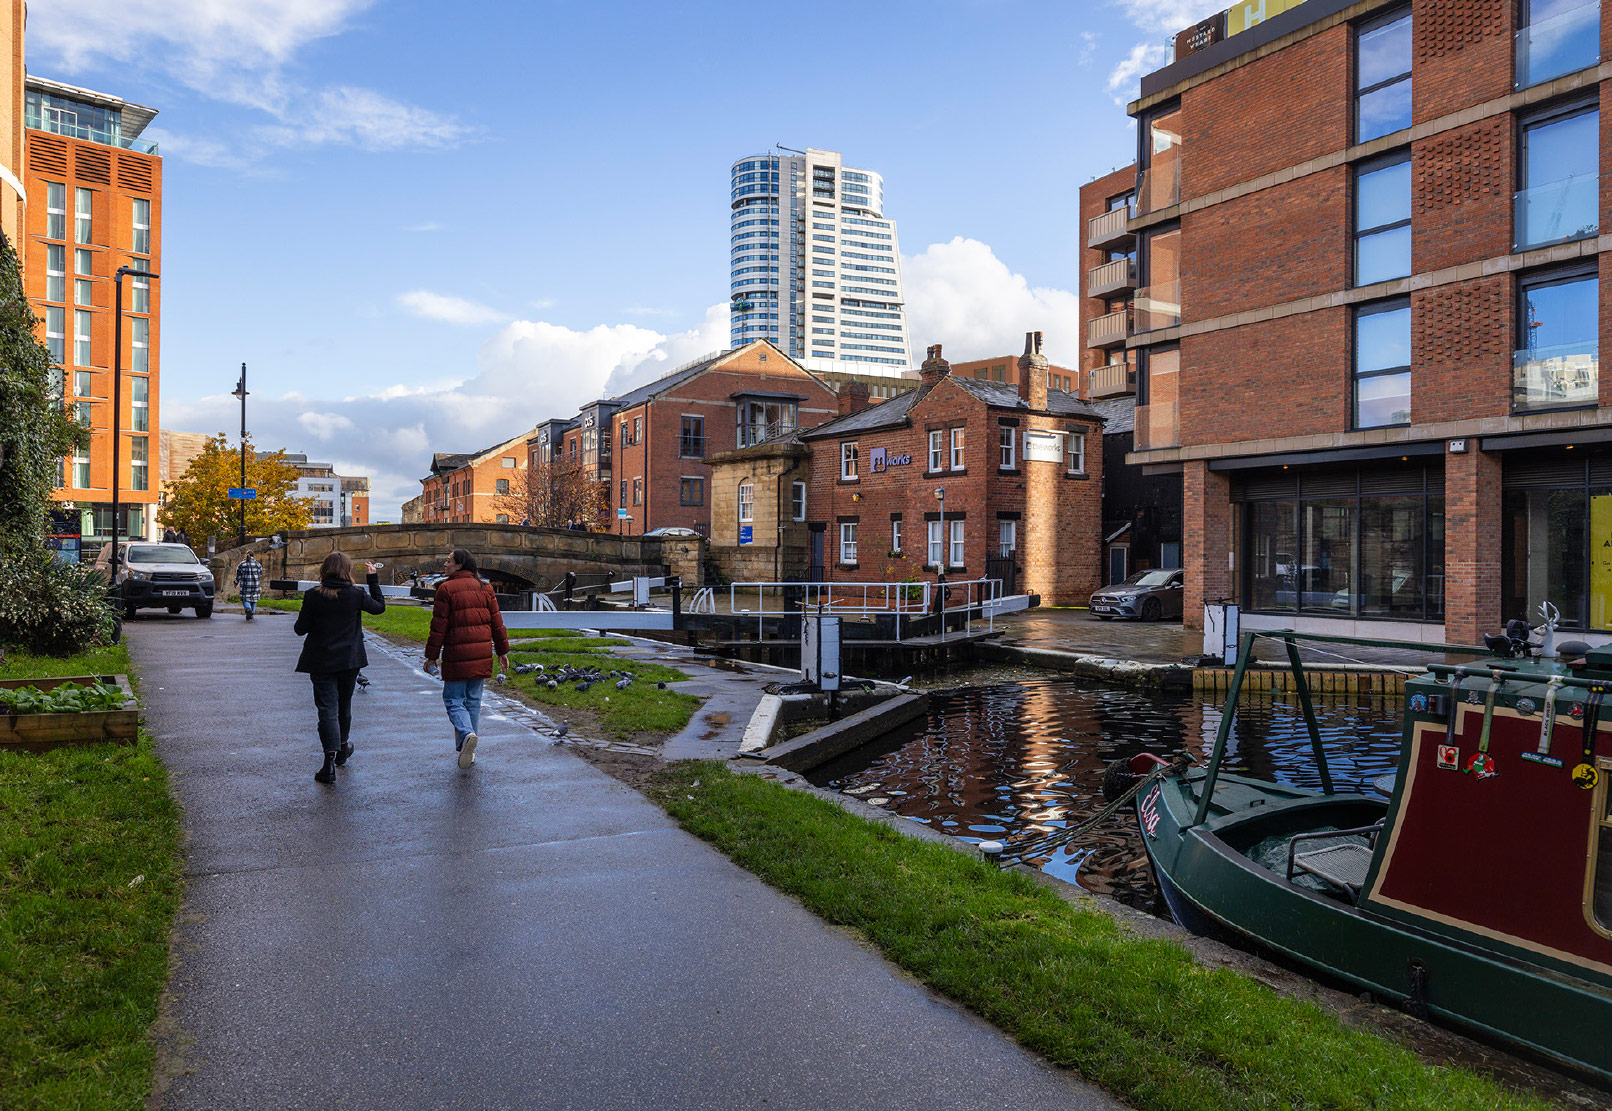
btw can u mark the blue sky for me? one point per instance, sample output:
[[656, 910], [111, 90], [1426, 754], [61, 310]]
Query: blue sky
[[427, 235]]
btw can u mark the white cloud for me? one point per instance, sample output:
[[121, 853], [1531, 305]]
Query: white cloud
[[1124, 83], [429, 225], [363, 118], [960, 295], [322, 426], [1168, 16], [451, 310], [1088, 46]]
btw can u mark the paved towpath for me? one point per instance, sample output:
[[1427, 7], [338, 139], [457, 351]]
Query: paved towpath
[[529, 933]]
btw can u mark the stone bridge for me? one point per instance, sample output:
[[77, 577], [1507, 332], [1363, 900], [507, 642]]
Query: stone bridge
[[513, 557]]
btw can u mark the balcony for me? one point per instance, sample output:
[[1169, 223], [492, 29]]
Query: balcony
[[1555, 377], [1158, 306], [1560, 45], [1113, 380], [1557, 212], [1158, 425], [1111, 277], [1108, 229], [1109, 331], [1159, 187]]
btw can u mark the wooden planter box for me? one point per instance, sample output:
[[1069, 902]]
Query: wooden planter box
[[38, 732]]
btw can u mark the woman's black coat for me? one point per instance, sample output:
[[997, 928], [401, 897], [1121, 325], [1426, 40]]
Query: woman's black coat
[[334, 626]]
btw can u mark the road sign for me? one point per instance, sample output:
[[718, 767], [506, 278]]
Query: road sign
[[623, 515], [242, 493]]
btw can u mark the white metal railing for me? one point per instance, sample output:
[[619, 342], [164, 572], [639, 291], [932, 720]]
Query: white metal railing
[[975, 599], [704, 600]]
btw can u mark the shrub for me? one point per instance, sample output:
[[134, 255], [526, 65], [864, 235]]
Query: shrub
[[51, 608]]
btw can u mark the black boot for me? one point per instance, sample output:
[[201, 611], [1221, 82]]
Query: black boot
[[327, 774], [343, 752]]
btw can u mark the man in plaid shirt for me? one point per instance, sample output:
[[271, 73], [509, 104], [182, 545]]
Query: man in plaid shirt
[[249, 580]]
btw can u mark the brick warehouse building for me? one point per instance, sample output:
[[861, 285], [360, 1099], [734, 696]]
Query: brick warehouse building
[[1021, 467], [1368, 333]]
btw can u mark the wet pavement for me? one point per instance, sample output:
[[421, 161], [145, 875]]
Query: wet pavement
[[526, 933]]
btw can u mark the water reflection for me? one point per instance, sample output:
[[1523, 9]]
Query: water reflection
[[1023, 759]]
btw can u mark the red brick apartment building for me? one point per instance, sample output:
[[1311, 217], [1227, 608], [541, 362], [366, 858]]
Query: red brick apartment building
[[1021, 467], [471, 489], [1367, 311]]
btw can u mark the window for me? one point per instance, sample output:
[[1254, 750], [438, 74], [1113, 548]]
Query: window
[[1560, 186], [956, 527], [1383, 219], [932, 559], [84, 262], [624, 440], [140, 339], [140, 404], [1007, 537], [957, 449], [1383, 77], [501, 486], [1074, 452], [139, 473], [55, 210], [1557, 359], [83, 216], [81, 338], [1009, 437], [142, 227], [83, 292], [82, 380], [937, 449], [638, 491], [501, 518], [692, 443], [747, 503], [55, 272], [81, 414], [637, 429], [797, 501], [848, 461], [140, 288], [895, 533], [1382, 365], [848, 542], [56, 333], [761, 420], [81, 472], [507, 462], [1557, 37], [691, 491]]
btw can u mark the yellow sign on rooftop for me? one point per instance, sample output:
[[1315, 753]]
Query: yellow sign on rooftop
[[1247, 13]]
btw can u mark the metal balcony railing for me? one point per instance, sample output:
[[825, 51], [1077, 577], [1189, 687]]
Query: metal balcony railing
[[1113, 380], [1109, 228], [1109, 330], [1158, 306], [1111, 277], [692, 447], [752, 434], [1557, 211], [1563, 44], [1159, 186]]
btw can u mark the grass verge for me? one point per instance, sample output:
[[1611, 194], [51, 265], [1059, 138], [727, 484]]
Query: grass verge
[[113, 659], [89, 883], [404, 622], [1137, 1015], [643, 708]]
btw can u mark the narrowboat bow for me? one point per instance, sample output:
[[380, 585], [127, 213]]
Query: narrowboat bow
[[1478, 892]]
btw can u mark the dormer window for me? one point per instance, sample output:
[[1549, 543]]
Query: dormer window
[[763, 417]]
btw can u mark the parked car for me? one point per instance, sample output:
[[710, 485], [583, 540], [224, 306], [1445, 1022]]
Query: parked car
[[158, 576], [1148, 595], [672, 530]]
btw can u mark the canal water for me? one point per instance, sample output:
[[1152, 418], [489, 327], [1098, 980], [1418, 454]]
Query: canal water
[[1018, 760]]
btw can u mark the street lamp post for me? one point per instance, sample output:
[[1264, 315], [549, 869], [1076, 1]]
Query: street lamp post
[[240, 392], [117, 397]]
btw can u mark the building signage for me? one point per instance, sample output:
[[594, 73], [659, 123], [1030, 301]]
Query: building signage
[[1043, 447], [242, 493], [746, 536], [879, 458], [1251, 13]]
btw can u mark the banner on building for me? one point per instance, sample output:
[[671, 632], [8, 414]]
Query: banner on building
[[1251, 13], [1600, 561]]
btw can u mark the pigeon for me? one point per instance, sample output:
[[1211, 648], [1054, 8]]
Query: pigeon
[[363, 683], [553, 684], [661, 685], [582, 688], [559, 734], [621, 684]]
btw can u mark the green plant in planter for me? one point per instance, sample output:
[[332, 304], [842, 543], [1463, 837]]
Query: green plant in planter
[[51, 608], [69, 698]]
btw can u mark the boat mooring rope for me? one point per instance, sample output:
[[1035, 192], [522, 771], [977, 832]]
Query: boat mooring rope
[[1062, 837]]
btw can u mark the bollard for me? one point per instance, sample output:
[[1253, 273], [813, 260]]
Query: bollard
[[992, 851]]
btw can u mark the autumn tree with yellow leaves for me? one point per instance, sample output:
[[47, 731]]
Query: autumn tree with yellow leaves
[[199, 504]]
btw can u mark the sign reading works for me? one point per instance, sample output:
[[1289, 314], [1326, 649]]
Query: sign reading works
[[879, 458]]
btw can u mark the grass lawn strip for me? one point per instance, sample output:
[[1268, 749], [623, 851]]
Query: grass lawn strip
[[89, 883], [1137, 1015]]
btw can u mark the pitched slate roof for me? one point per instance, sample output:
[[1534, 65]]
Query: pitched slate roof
[[1119, 414], [885, 414], [442, 462], [660, 385]]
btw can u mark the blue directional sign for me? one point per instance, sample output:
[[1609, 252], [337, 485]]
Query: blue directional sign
[[623, 514], [745, 535], [242, 493]]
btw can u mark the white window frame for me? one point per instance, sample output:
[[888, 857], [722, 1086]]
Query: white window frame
[[56, 211], [937, 450], [139, 469], [56, 333], [1007, 537], [83, 215], [895, 534], [797, 501], [139, 407], [955, 527], [932, 553], [848, 461], [1074, 452], [1009, 441], [83, 292], [141, 235], [848, 542], [140, 344], [957, 448], [55, 272], [747, 503], [83, 324], [81, 470]]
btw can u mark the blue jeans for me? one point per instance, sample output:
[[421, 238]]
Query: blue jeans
[[462, 697]]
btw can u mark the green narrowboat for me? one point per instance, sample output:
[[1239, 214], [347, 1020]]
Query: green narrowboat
[[1477, 890]]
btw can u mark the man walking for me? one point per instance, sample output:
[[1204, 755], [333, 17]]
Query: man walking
[[466, 631], [249, 581]]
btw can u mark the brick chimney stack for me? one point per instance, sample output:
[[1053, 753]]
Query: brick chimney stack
[[853, 397], [934, 368], [1033, 372]]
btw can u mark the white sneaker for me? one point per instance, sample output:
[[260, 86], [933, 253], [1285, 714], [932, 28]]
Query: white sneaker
[[467, 755]]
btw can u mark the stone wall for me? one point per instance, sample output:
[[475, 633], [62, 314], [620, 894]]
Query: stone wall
[[685, 555], [760, 562]]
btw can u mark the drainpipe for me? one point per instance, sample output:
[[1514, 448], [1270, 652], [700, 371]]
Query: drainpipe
[[778, 505], [643, 525]]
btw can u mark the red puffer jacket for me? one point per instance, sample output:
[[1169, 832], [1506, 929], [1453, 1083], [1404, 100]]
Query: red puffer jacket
[[465, 628]]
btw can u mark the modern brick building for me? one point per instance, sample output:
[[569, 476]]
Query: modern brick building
[[1367, 316], [96, 188], [473, 488], [1021, 467]]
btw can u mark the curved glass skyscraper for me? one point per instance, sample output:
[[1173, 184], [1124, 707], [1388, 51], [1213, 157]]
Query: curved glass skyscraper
[[815, 266]]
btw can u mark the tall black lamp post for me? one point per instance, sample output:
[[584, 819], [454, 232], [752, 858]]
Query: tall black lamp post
[[117, 397], [240, 392]]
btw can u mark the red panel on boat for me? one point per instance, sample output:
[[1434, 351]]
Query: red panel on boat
[[1503, 855]]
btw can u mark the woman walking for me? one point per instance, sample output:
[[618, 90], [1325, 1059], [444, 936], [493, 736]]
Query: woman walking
[[466, 630], [332, 620]]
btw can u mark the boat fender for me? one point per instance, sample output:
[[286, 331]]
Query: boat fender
[[1121, 775], [1416, 1002]]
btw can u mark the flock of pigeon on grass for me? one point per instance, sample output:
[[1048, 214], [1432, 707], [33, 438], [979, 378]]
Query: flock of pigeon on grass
[[583, 677]]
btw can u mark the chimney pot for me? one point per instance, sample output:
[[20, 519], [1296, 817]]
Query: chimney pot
[[934, 367], [1033, 372]]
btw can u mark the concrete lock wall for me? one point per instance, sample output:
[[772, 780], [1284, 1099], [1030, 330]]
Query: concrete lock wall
[[533, 557]]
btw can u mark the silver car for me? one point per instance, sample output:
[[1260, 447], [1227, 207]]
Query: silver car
[[1149, 595]]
